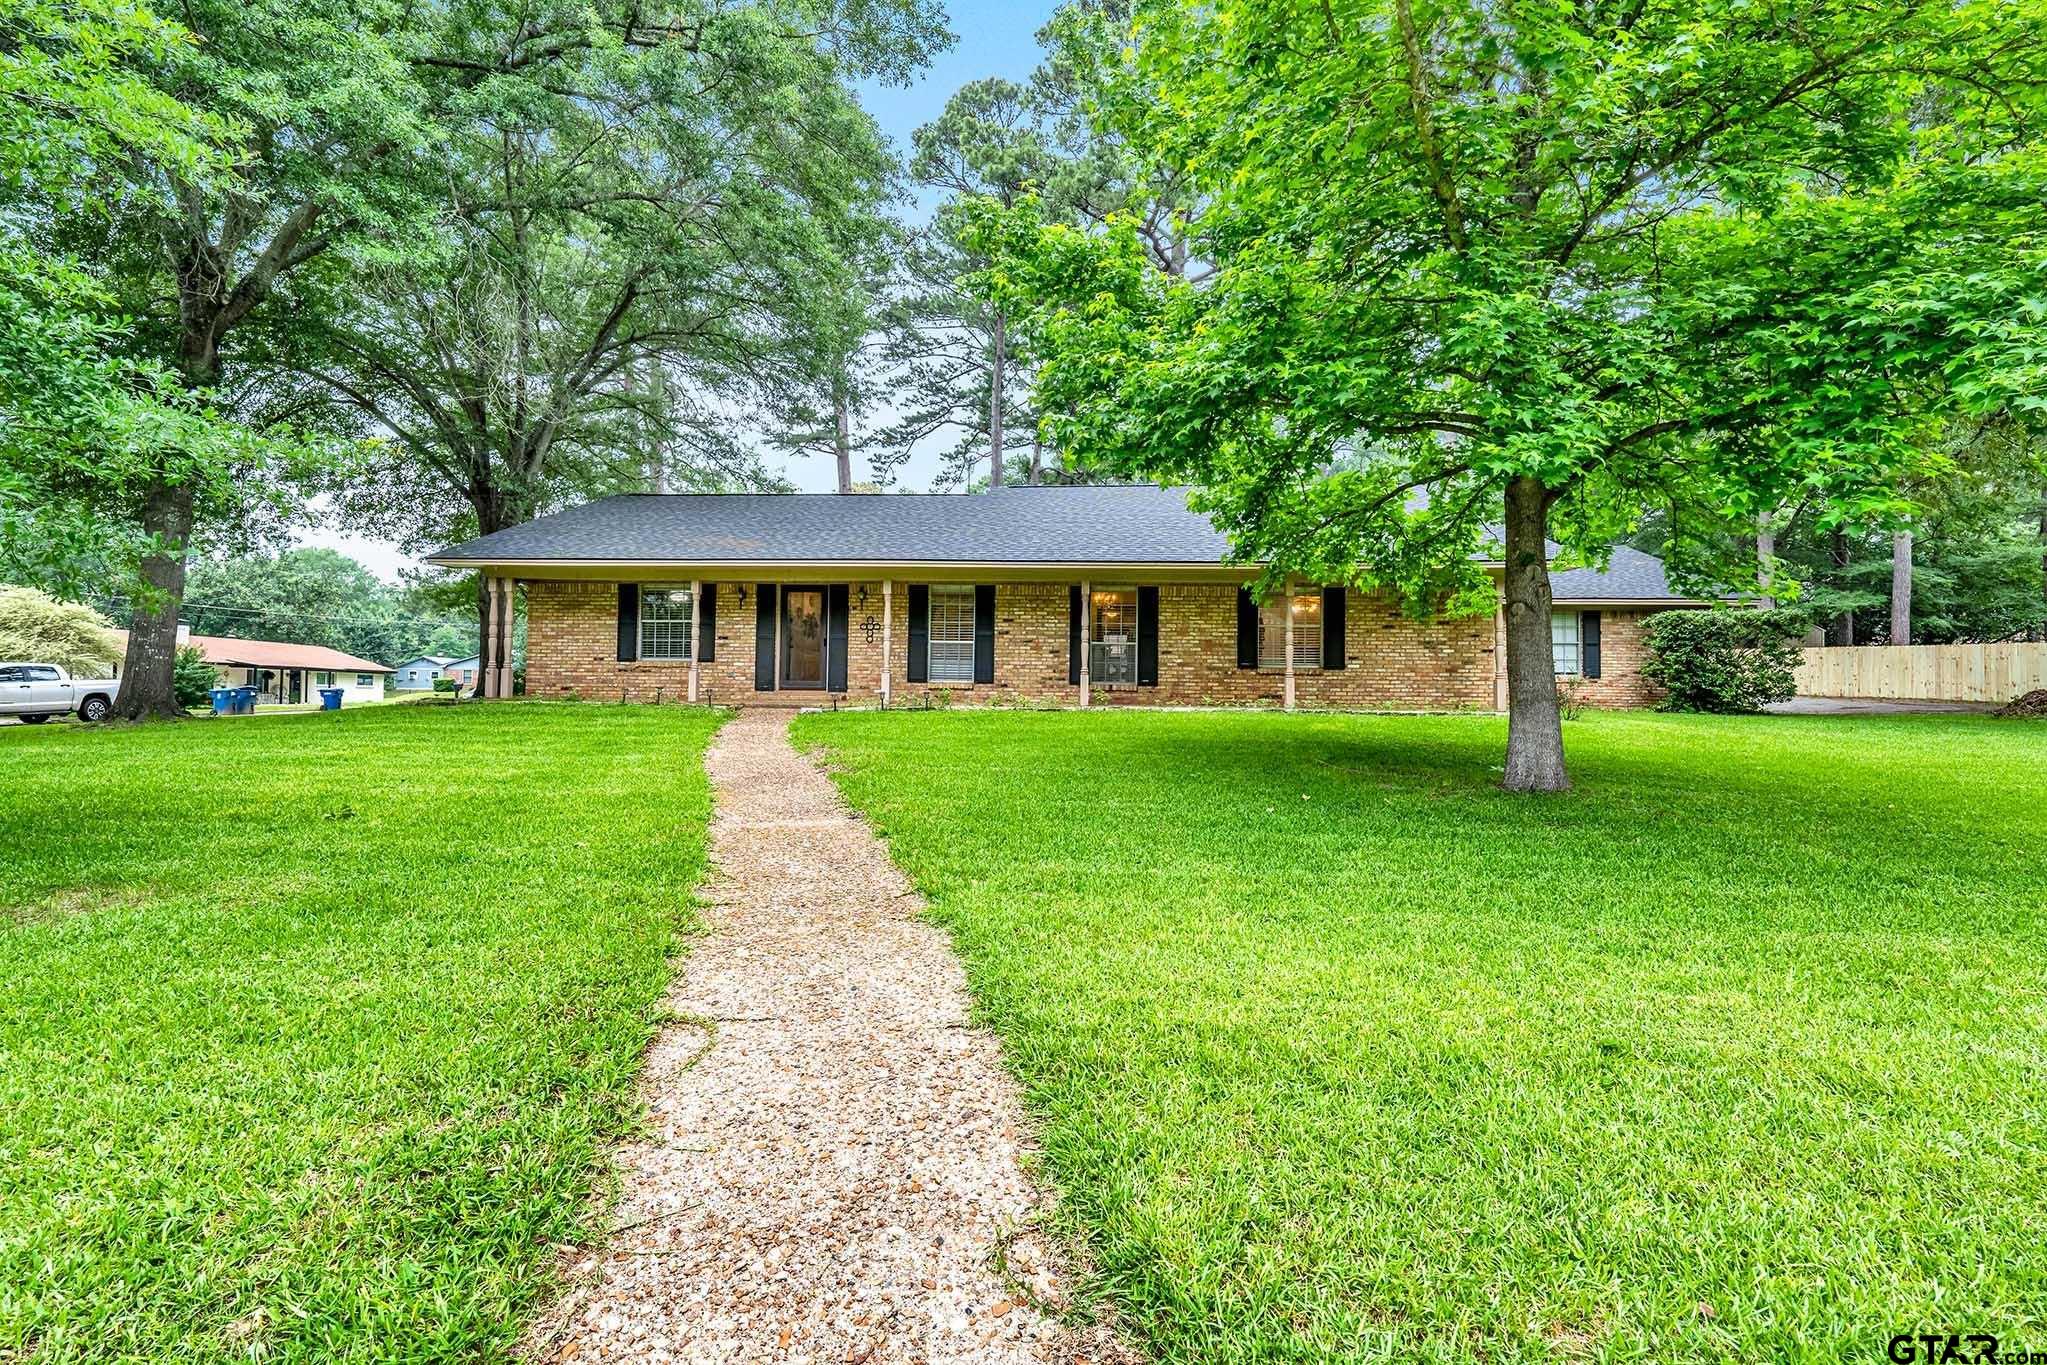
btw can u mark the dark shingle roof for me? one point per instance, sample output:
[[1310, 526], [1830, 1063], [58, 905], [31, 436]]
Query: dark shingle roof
[[1083, 525], [1632, 576], [1124, 524]]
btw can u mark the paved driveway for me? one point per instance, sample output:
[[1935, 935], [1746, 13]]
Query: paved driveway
[[1875, 706]]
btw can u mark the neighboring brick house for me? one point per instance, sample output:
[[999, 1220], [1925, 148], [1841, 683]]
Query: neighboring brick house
[[1063, 596]]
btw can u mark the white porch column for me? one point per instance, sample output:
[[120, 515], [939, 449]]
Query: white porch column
[[506, 587], [487, 683], [696, 630], [1289, 590], [888, 636], [1087, 635]]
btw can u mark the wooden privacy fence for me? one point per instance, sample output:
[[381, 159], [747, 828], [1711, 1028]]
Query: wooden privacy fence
[[1990, 673]]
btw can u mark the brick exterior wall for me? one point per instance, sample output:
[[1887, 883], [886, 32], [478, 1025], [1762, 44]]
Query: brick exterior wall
[[1392, 661], [1623, 646]]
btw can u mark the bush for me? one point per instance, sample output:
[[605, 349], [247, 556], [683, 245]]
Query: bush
[[192, 678], [1726, 661], [37, 628], [444, 684]]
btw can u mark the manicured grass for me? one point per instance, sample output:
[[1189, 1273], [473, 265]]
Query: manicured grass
[[314, 1028], [1738, 1051]]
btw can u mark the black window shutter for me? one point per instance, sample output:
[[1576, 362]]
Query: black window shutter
[[707, 624], [764, 637], [1332, 628], [918, 665], [984, 632], [1588, 642], [840, 622], [1073, 635], [1247, 630], [628, 622], [1147, 637]]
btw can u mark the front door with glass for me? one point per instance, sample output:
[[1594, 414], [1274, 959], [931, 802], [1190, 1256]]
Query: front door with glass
[[803, 637], [1112, 654]]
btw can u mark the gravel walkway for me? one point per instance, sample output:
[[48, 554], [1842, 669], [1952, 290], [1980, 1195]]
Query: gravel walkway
[[832, 1171]]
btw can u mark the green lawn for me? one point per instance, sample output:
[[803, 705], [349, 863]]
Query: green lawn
[[314, 1028], [1739, 1051]]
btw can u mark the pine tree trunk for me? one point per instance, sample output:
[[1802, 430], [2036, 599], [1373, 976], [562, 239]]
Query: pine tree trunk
[[997, 381], [2039, 631], [1841, 630], [146, 691], [1901, 588], [1535, 728], [1037, 462], [843, 440], [1766, 551]]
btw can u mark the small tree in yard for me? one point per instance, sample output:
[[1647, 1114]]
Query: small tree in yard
[[1495, 276], [36, 626], [192, 678], [1725, 661]]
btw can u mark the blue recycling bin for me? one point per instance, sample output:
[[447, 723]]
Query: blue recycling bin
[[330, 699], [245, 701], [223, 699]]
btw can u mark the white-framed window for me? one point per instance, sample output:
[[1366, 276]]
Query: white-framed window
[[1112, 636], [951, 636], [323, 680], [667, 618], [1564, 645], [1307, 632], [365, 680]]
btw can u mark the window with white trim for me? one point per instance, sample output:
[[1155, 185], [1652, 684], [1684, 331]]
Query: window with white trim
[[951, 636], [1112, 636], [667, 618], [365, 680], [1564, 645], [1307, 632]]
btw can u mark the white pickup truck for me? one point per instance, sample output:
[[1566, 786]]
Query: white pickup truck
[[35, 692]]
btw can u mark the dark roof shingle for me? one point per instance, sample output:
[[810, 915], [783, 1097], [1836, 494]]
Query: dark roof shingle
[[1100, 524]]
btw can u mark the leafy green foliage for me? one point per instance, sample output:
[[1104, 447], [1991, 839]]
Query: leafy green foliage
[[1566, 263], [86, 423], [1338, 1055], [192, 678], [1724, 661], [301, 1068], [321, 597], [639, 225], [1430, 274], [35, 626]]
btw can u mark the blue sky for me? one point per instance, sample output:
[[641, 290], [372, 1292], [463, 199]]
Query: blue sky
[[993, 39]]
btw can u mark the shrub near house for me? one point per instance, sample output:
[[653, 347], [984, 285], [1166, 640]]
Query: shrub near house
[[1725, 661]]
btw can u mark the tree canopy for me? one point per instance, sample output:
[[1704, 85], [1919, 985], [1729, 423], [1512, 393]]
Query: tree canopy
[[1463, 265]]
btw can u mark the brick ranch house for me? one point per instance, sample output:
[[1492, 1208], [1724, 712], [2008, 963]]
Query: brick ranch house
[[1062, 595]]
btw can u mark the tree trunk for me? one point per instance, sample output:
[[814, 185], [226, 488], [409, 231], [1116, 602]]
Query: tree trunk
[[842, 443], [2039, 631], [1535, 728], [1766, 551], [1841, 630], [146, 691], [1037, 462], [997, 377], [1901, 588]]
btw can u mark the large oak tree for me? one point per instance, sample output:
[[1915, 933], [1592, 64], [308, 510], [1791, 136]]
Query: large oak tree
[[1489, 276]]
